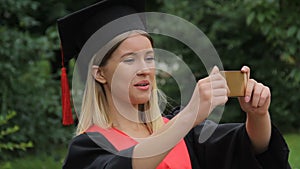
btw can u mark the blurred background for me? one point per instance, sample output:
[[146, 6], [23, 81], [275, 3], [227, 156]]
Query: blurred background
[[263, 34]]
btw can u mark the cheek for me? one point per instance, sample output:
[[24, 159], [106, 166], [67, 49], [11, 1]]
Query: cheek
[[121, 80], [119, 73], [152, 73]]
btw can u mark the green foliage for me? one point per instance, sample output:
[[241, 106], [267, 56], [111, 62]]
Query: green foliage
[[263, 34], [5, 132], [29, 85]]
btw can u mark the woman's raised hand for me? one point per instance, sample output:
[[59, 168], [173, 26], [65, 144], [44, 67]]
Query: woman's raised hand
[[257, 96], [209, 93]]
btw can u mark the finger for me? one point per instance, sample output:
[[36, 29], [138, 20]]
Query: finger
[[221, 81], [249, 90], [214, 81], [211, 78], [220, 100], [228, 91], [246, 69], [258, 88], [217, 76], [264, 96], [215, 70], [220, 92], [219, 84]]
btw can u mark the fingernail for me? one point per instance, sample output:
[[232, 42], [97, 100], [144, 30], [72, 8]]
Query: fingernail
[[247, 99]]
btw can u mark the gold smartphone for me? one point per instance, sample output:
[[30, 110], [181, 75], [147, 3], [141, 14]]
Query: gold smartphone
[[236, 82]]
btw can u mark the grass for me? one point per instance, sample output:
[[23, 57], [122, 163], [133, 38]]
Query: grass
[[33, 162], [52, 160], [55, 159], [293, 141]]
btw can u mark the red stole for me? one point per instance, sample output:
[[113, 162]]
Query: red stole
[[178, 157]]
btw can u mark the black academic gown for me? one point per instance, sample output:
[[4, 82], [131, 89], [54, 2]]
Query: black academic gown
[[229, 147]]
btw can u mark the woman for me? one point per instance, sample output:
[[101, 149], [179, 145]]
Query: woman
[[120, 125]]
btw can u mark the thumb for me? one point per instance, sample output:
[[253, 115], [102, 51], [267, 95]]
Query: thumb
[[215, 70]]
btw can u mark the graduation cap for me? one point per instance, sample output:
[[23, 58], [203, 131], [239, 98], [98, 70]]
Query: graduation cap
[[94, 24]]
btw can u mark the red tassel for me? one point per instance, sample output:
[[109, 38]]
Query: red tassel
[[67, 117]]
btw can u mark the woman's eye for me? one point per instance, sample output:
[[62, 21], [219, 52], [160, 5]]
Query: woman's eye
[[150, 58], [128, 60]]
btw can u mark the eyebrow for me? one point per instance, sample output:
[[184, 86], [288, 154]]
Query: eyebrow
[[135, 53], [149, 52]]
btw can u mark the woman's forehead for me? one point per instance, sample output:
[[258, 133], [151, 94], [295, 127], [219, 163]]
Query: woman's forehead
[[135, 43]]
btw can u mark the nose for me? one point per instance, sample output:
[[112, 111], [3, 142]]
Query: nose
[[144, 66], [144, 71]]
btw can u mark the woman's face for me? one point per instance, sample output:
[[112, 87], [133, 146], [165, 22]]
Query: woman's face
[[130, 71]]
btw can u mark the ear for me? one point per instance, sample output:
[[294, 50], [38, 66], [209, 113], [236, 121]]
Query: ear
[[98, 74]]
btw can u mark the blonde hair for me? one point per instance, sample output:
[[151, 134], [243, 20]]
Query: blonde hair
[[94, 109]]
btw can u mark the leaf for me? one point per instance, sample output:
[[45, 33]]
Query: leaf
[[250, 18], [291, 31], [260, 17], [266, 29], [5, 119], [287, 58]]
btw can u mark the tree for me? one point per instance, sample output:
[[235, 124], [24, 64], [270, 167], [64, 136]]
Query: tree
[[263, 34], [28, 87]]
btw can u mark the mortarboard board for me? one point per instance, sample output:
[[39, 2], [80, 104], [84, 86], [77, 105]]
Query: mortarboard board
[[77, 28]]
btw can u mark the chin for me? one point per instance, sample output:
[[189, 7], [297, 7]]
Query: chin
[[137, 101]]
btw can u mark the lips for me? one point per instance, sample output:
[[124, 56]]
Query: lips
[[143, 85]]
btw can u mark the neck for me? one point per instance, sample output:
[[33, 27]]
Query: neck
[[120, 109], [125, 117], [134, 129]]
